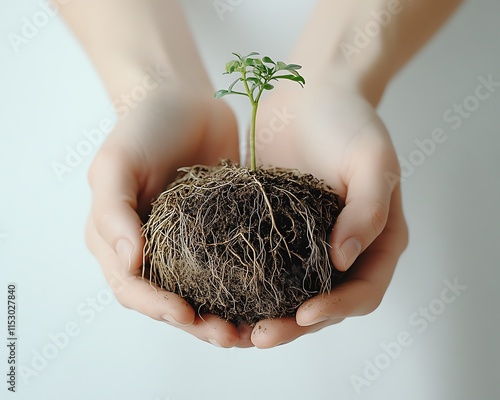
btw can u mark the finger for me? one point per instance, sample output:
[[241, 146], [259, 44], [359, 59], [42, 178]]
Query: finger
[[134, 292], [114, 190], [245, 333], [138, 294], [274, 332], [213, 329], [364, 216], [366, 282], [354, 298]]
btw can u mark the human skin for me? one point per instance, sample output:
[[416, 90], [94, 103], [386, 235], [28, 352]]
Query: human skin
[[178, 124], [336, 135]]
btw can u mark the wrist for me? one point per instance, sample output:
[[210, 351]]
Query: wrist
[[156, 75], [329, 48], [369, 83], [126, 39], [362, 45]]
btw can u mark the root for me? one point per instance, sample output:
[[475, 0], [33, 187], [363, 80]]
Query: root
[[245, 245]]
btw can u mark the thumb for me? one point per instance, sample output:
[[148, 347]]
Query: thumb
[[362, 219], [114, 186]]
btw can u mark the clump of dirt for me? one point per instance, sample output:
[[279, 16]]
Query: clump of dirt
[[245, 245]]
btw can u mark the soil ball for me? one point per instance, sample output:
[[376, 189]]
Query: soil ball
[[245, 245]]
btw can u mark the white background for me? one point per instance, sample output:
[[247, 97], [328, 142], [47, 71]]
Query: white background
[[50, 94]]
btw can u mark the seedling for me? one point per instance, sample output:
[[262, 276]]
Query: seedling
[[256, 76], [244, 246]]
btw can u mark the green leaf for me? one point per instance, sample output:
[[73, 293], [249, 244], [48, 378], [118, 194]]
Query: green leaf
[[259, 69], [230, 88], [268, 60], [253, 79], [294, 78], [280, 65], [294, 72], [300, 80], [244, 58], [268, 86], [241, 93], [232, 66], [220, 93], [289, 77], [258, 72], [293, 67], [251, 62], [253, 53]]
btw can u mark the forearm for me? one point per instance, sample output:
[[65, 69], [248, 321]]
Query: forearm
[[124, 37], [364, 43]]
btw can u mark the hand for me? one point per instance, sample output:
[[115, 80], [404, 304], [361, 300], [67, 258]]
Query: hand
[[175, 126], [336, 135]]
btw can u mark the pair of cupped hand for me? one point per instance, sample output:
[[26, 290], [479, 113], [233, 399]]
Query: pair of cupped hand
[[333, 133]]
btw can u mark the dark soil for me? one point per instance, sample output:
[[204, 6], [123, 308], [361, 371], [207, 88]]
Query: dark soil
[[245, 245]]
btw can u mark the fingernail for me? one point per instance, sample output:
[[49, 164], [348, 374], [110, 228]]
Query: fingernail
[[124, 249], [214, 342], [317, 321], [172, 320], [350, 249]]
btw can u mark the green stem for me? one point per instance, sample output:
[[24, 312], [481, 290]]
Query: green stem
[[255, 104], [252, 136]]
